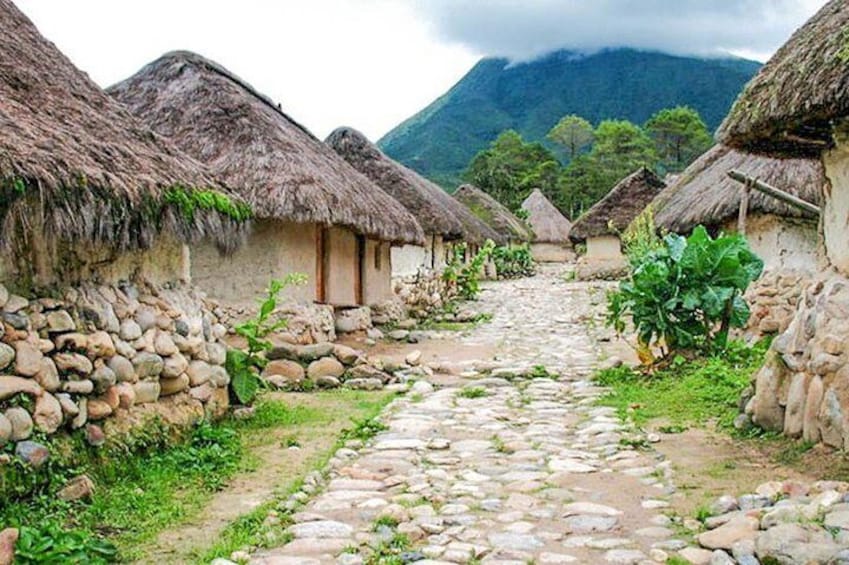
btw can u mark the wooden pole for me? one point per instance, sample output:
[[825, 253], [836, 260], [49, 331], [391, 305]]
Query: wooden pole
[[744, 207], [776, 193]]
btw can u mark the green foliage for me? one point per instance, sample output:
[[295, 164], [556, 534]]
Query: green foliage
[[466, 276], [685, 393], [687, 293], [189, 200], [513, 262], [572, 132], [364, 429], [531, 97], [641, 238], [680, 135], [510, 168], [48, 543], [620, 148], [244, 366], [473, 392]]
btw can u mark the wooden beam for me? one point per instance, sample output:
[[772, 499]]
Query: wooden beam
[[776, 193], [744, 208]]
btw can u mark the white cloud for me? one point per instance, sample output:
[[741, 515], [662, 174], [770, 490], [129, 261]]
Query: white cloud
[[365, 63], [523, 29]]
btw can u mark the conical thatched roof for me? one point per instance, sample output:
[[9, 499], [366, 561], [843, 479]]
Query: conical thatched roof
[[704, 193], [435, 210], [547, 223], [493, 213], [75, 164], [788, 107], [612, 214], [280, 168]]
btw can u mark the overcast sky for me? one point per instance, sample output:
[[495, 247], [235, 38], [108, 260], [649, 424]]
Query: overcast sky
[[372, 63]]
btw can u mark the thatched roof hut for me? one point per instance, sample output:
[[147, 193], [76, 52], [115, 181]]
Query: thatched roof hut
[[435, 210], [279, 167], [612, 214], [77, 167], [704, 193], [547, 223], [789, 106], [493, 213]]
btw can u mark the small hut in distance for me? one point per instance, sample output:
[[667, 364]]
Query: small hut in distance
[[601, 225], [314, 213], [550, 228], [511, 229], [445, 221]]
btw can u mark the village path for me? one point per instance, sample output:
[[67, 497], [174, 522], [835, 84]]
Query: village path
[[522, 470]]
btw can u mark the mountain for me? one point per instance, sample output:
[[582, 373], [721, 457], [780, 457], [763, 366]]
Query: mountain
[[531, 97]]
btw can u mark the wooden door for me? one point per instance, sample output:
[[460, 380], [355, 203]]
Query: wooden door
[[359, 270]]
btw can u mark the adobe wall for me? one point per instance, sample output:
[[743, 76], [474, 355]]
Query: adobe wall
[[604, 247], [377, 273]]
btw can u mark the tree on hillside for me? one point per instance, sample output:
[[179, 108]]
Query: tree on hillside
[[680, 135], [510, 168], [572, 132], [620, 148]]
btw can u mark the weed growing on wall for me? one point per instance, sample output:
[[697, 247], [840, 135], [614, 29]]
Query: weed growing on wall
[[466, 275], [245, 367]]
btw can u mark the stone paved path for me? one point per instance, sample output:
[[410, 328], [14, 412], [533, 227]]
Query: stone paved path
[[522, 470]]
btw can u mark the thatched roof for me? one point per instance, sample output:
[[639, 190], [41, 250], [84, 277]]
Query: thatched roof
[[612, 214], [75, 163], [435, 210], [547, 223], [280, 168], [789, 106], [704, 194], [493, 213]]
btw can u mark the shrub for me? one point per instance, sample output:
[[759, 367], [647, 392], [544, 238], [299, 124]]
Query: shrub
[[466, 276], [513, 262], [686, 293], [244, 366], [49, 543]]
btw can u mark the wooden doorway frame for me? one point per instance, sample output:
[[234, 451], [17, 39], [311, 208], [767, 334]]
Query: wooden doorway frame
[[359, 270], [321, 264]]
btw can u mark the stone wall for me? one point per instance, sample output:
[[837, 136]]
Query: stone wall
[[803, 389], [104, 353], [773, 299], [424, 292]]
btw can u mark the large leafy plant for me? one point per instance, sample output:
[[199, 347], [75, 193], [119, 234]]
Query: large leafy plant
[[512, 262], [686, 293], [466, 275], [244, 366]]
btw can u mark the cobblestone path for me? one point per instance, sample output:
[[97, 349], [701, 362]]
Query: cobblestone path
[[506, 467]]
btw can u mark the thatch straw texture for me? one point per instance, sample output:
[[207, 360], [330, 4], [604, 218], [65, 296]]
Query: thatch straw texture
[[493, 213], [613, 213], [280, 168], [547, 223], [789, 106], [76, 164], [435, 210], [704, 194]]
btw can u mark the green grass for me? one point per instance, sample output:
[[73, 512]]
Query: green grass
[[251, 530], [473, 392], [686, 393], [153, 481]]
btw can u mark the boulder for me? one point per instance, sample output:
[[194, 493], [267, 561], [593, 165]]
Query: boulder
[[103, 377], [5, 430], [8, 540], [364, 384], [94, 435], [130, 330], [724, 537], [100, 344], [123, 369], [32, 453], [7, 355], [148, 365], [69, 408], [126, 395], [789, 544], [305, 353], [345, 354], [82, 415], [10, 386], [27, 358], [352, 319], [414, 358], [48, 414], [59, 321], [283, 373], [327, 381], [325, 367], [174, 366], [74, 363], [48, 375], [84, 386], [173, 386], [163, 344], [71, 341], [216, 353], [21, 423], [78, 488], [98, 409], [146, 391]]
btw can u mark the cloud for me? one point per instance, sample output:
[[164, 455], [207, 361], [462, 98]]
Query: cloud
[[524, 29]]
